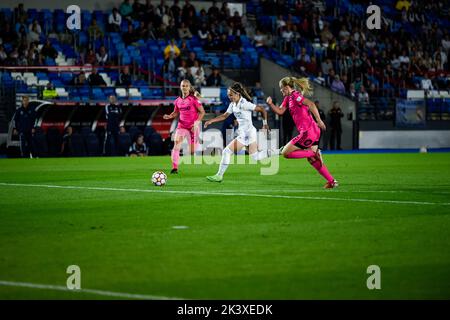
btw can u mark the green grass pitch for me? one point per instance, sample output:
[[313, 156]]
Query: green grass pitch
[[391, 210]]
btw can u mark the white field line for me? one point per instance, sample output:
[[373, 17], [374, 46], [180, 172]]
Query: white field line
[[90, 291], [236, 194]]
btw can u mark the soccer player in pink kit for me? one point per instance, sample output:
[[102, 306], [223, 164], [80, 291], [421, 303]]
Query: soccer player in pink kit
[[191, 113], [305, 145]]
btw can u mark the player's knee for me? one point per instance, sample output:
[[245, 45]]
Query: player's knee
[[285, 153], [227, 150]]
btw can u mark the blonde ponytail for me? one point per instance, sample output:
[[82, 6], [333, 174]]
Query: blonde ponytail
[[301, 84]]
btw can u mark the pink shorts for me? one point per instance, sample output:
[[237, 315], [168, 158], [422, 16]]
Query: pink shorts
[[307, 138], [188, 134]]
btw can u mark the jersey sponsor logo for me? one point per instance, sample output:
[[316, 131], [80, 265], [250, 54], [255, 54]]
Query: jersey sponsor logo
[[299, 99]]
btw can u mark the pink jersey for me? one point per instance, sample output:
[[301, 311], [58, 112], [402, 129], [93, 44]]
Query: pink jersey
[[300, 112], [188, 109]]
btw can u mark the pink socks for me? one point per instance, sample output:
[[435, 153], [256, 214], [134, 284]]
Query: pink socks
[[298, 154], [175, 158], [322, 169]]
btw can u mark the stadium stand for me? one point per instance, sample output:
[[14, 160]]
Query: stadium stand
[[142, 55]]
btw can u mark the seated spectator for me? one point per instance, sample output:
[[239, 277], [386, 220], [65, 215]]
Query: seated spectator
[[172, 30], [138, 10], [311, 67], [102, 56], [94, 30], [337, 85], [175, 12], [403, 4], [170, 66], [223, 44], [236, 43], [363, 96], [66, 147], [182, 70], [48, 50], [259, 39], [20, 13], [326, 66], [21, 28], [114, 21], [184, 32], [303, 54], [171, 49], [33, 35], [258, 92], [198, 73], [209, 43], [49, 92], [426, 83], [191, 59], [90, 57], [125, 77], [129, 37], [79, 80], [184, 50], [189, 76], [203, 18], [3, 55], [36, 25], [125, 9], [7, 35], [203, 32], [96, 79], [138, 148], [214, 79]]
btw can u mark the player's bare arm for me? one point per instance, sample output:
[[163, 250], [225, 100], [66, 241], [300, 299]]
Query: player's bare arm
[[313, 109], [275, 108], [220, 118], [173, 115], [263, 112]]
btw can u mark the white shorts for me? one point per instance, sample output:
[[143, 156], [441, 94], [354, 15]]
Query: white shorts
[[247, 137]]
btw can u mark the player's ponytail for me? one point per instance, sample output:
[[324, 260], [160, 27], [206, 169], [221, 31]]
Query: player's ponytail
[[196, 94], [239, 88], [192, 90], [301, 84]]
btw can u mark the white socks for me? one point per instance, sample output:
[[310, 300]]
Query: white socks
[[226, 158], [259, 155]]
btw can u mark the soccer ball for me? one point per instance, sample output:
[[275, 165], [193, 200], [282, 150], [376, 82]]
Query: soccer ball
[[159, 178]]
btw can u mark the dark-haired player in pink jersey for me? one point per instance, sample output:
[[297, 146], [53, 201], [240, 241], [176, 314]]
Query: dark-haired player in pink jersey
[[191, 113], [305, 145]]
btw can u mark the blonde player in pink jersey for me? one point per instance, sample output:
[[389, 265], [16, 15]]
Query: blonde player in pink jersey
[[191, 113], [305, 145]]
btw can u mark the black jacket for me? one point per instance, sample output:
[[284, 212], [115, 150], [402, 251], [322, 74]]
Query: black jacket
[[24, 119]]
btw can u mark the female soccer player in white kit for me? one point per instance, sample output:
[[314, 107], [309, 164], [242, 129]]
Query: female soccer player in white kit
[[242, 109]]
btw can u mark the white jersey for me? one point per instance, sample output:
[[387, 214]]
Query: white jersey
[[242, 110]]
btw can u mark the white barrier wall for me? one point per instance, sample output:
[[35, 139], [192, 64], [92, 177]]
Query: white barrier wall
[[405, 139]]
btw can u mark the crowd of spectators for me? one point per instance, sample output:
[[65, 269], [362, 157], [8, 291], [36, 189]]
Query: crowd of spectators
[[217, 28], [409, 52]]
